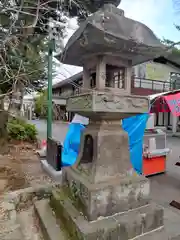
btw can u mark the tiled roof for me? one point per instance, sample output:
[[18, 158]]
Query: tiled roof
[[68, 80]]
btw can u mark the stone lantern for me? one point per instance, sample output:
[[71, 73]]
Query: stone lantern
[[102, 196]]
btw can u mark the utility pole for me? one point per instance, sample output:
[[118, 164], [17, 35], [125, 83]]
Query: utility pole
[[49, 95], [55, 44], [50, 65]]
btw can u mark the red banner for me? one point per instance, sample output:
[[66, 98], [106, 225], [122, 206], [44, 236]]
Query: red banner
[[168, 103], [173, 102], [159, 105]]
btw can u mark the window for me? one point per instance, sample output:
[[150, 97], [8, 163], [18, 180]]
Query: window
[[175, 80], [119, 78], [76, 91], [115, 77], [93, 80]]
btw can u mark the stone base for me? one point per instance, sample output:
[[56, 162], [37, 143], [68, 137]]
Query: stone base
[[55, 175], [53, 231], [128, 225], [106, 198], [48, 223]]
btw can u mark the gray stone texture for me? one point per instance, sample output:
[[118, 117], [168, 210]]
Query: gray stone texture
[[109, 154], [48, 222], [120, 226], [55, 175], [13, 234], [107, 198], [107, 105], [158, 234], [112, 33]]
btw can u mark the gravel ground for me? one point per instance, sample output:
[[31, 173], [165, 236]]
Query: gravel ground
[[21, 169], [29, 225], [18, 225]]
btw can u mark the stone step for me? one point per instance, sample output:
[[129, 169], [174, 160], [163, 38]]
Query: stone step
[[10, 231], [126, 226], [175, 238], [9, 225], [9, 228], [52, 231], [29, 224], [49, 226], [7, 211], [159, 234]]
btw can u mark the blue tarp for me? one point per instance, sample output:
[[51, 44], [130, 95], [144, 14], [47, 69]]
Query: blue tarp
[[134, 126], [71, 144]]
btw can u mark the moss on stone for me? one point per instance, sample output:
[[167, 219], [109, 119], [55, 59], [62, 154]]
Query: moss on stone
[[67, 192], [57, 203], [84, 169]]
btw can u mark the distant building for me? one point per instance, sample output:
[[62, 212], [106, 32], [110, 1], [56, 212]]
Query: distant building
[[27, 106], [160, 75]]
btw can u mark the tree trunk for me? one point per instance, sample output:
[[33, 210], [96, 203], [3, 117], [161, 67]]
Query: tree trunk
[[2, 104], [21, 102], [3, 127], [10, 102], [3, 132], [14, 106]]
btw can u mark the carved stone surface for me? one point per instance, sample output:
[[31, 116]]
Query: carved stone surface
[[112, 34], [125, 226], [106, 184], [110, 152], [108, 198], [83, 101], [103, 103]]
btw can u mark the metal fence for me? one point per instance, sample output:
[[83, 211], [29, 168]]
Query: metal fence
[[144, 83], [161, 86]]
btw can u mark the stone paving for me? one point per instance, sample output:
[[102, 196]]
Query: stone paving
[[18, 225], [166, 187], [59, 129], [18, 220]]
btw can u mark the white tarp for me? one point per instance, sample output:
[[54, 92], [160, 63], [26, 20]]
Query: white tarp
[[153, 96]]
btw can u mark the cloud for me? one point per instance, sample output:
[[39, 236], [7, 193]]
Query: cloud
[[150, 12], [158, 15]]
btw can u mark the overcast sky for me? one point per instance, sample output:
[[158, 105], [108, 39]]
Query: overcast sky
[[159, 15]]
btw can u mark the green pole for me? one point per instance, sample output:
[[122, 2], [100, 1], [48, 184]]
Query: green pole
[[49, 95]]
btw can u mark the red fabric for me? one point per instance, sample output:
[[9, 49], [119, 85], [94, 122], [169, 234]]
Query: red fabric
[[169, 103], [173, 102], [159, 105], [43, 143]]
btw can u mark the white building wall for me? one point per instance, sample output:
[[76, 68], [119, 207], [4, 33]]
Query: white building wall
[[155, 71]]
